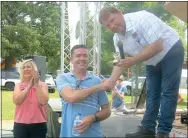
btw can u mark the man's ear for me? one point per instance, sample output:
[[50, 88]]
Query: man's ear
[[120, 12]]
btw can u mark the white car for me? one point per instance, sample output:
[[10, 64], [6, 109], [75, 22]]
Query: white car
[[131, 84], [50, 82], [9, 79], [183, 82], [140, 82]]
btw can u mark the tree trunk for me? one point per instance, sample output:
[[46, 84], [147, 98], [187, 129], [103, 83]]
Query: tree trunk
[[10, 63]]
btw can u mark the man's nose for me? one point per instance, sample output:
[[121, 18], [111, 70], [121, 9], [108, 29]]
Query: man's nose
[[25, 69], [82, 58], [111, 26]]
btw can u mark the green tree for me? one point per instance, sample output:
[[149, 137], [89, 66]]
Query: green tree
[[31, 28], [15, 34]]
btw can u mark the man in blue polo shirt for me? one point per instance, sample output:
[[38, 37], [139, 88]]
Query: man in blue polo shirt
[[118, 104], [82, 93], [118, 96]]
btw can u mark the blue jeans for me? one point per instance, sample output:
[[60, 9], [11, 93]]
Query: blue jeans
[[162, 84]]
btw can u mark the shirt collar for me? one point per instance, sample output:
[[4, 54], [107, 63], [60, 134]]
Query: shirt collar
[[128, 23], [88, 76]]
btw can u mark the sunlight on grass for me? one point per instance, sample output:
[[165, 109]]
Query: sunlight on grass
[[8, 108], [54, 95]]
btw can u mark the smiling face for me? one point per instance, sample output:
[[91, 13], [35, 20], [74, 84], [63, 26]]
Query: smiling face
[[79, 59], [115, 22], [27, 70]]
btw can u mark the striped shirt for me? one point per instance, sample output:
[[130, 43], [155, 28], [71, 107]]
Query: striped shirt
[[144, 28], [86, 107]]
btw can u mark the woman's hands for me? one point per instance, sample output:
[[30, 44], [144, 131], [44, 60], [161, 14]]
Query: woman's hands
[[36, 78], [87, 121], [31, 83]]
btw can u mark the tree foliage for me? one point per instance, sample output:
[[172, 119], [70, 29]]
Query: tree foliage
[[31, 28]]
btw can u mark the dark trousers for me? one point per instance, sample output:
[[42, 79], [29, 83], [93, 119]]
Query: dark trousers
[[162, 83], [37, 130]]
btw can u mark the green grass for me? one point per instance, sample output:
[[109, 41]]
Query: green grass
[[8, 108]]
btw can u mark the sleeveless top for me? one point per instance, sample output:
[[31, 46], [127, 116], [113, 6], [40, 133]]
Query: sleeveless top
[[30, 110]]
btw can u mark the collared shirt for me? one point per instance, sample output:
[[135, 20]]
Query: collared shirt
[[86, 107], [144, 28]]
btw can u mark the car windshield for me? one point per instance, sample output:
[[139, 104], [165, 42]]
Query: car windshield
[[10, 75]]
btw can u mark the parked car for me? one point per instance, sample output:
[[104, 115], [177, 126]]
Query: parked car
[[141, 80], [53, 76], [50, 82], [9, 79], [183, 82], [131, 84]]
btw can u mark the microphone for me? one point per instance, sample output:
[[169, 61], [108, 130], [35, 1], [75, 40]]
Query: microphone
[[121, 51]]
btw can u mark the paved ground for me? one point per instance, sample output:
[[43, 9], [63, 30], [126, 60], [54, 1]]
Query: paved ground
[[177, 125], [6, 128], [115, 126], [118, 125]]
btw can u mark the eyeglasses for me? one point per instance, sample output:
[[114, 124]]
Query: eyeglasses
[[27, 60], [78, 82]]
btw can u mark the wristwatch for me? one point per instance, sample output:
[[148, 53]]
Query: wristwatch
[[96, 117]]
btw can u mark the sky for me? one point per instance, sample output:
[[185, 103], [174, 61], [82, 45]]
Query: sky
[[74, 17]]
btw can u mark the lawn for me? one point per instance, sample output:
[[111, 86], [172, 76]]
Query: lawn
[[8, 107]]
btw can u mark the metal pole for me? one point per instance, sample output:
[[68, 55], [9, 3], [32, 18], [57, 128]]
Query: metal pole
[[82, 23], [62, 35], [99, 42], [95, 41], [136, 81]]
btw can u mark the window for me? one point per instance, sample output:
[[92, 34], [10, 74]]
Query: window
[[3, 75], [13, 75], [10, 75]]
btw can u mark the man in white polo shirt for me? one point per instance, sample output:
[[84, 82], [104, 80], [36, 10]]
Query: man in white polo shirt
[[148, 39]]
